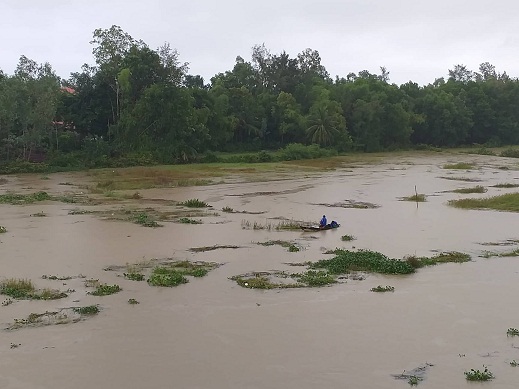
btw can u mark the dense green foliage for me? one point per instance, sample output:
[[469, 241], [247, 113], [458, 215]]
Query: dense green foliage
[[479, 375], [105, 290], [88, 310], [139, 106], [363, 260], [507, 202]]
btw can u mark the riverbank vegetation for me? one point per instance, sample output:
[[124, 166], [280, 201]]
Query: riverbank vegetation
[[507, 202], [140, 106]]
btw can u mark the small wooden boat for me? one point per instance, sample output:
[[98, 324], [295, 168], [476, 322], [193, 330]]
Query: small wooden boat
[[319, 228]]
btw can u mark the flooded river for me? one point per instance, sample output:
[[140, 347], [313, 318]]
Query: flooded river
[[211, 333]]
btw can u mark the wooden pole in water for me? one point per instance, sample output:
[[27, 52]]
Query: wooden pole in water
[[416, 196]]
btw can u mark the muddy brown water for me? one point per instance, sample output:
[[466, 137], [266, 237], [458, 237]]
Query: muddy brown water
[[211, 333]]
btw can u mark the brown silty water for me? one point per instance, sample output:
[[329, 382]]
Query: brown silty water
[[212, 333]]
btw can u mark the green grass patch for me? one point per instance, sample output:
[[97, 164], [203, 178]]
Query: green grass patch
[[510, 153], [17, 288], [459, 166], [483, 151], [168, 277], [314, 278], [347, 238], [419, 198], [88, 310], [383, 289], [18, 199], [133, 302], [227, 210], [346, 261], [256, 282], [282, 280], [212, 248], [512, 253], [145, 220], [187, 220], [284, 225], [24, 289], [194, 203], [327, 271], [105, 290], [506, 186], [444, 257], [507, 202], [288, 225], [174, 274], [133, 276], [283, 243], [479, 375], [475, 189]]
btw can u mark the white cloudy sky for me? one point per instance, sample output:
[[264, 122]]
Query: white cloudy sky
[[416, 40]]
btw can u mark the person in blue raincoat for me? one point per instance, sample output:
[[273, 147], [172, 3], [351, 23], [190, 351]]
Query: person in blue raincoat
[[323, 222]]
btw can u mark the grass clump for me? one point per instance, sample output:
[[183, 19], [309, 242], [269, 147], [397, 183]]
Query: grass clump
[[284, 225], [186, 220], [169, 277], [363, 260], [512, 332], [459, 166], [212, 248], [257, 282], [3, 230], [133, 302], [133, 276], [288, 225], [513, 253], [419, 198], [88, 310], [506, 186], [175, 273], [227, 210], [105, 290], [444, 257], [314, 278], [383, 289], [507, 202], [194, 203], [49, 294], [413, 380], [347, 238], [514, 363], [24, 289], [510, 153], [478, 375], [282, 280], [17, 199], [475, 189], [145, 220], [484, 151], [293, 248], [17, 288]]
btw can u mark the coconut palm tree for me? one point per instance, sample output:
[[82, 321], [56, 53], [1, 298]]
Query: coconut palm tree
[[324, 126]]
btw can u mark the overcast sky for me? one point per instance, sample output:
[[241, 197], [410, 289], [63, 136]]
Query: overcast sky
[[416, 40]]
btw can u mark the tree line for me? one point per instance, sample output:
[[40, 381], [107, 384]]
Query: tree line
[[142, 104]]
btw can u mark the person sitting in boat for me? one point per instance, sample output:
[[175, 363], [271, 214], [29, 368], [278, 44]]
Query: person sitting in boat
[[334, 224], [323, 222]]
